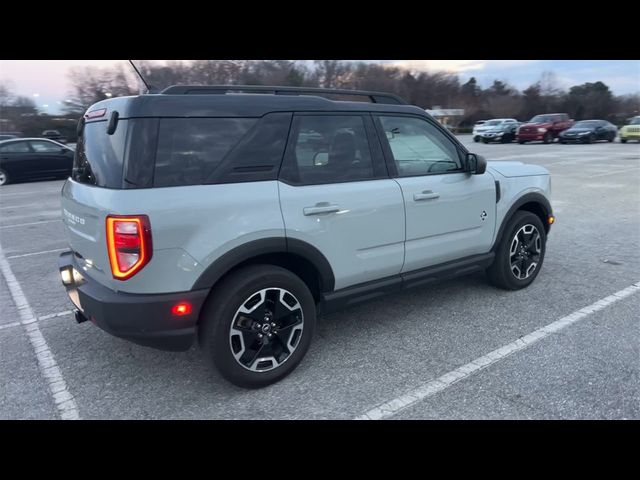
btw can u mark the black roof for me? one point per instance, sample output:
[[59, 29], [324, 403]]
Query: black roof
[[222, 101]]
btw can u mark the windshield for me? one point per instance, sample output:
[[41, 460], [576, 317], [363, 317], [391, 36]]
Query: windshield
[[541, 119], [586, 124]]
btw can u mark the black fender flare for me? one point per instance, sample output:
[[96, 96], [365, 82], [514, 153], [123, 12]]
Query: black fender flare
[[531, 197], [255, 248]]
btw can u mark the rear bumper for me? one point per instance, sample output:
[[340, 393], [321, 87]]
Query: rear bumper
[[140, 318], [581, 139], [531, 137]]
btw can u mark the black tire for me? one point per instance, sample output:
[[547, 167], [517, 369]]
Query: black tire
[[591, 138], [521, 142], [623, 140], [4, 177], [611, 138], [500, 272], [563, 142], [548, 137], [476, 139], [485, 140], [221, 311]]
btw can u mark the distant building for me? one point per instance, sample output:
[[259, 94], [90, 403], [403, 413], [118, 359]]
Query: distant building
[[447, 116]]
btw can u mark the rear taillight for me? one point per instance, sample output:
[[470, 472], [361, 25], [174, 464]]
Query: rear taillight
[[129, 244]]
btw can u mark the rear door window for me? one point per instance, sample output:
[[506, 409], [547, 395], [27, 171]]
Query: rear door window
[[329, 149], [45, 147], [189, 150]]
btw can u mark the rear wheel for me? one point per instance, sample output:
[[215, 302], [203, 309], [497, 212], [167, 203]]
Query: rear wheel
[[611, 138], [591, 138], [476, 139], [4, 178], [623, 140], [548, 138], [520, 253], [521, 142], [258, 325]]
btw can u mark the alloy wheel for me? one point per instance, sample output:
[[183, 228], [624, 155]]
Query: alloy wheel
[[266, 329], [525, 251]]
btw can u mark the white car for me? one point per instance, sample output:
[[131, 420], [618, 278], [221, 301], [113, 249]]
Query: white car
[[480, 127], [479, 123]]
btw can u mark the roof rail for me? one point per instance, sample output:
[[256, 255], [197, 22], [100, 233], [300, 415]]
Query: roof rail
[[374, 97]]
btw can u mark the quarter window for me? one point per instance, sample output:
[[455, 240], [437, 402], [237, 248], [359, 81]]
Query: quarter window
[[15, 147], [189, 150], [419, 148]]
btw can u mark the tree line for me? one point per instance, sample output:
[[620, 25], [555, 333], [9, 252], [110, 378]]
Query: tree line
[[424, 89], [90, 84]]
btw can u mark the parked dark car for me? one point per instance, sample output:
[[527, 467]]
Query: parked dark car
[[32, 158], [9, 135], [504, 132], [545, 128], [589, 131], [54, 135]]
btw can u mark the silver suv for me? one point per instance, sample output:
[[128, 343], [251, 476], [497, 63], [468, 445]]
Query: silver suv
[[236, 214]]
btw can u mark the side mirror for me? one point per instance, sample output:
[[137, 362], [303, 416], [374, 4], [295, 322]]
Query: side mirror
[[476, 164], [321, 158]]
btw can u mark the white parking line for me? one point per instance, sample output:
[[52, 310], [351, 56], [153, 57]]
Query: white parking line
[[20, 206], [44, 317], [615, 172], [62, 398], [54, 315], [30, 223], [390, 408], [9, 325], [36, 253]]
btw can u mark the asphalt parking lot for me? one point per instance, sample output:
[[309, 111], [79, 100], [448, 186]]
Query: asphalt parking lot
[[376, 353]]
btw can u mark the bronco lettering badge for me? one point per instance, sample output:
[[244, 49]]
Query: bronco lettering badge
[[73, 219]]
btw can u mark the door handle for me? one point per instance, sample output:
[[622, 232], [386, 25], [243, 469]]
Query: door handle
[[426, 195], [319, 208]]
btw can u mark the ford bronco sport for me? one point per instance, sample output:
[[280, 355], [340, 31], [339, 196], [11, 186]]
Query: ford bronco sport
[[235, 214]]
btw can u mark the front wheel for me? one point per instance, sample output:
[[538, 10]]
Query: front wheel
[[258, 325], [548, 138], [476, 139], [623, 140], [4, 178], [521, 142], [520, 253]]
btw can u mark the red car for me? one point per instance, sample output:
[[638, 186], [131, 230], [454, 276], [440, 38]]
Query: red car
[[545, 128]]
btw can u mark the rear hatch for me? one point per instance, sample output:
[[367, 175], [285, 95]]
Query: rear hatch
[[86, 197]]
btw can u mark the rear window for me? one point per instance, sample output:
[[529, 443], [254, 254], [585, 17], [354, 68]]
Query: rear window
[[189, 150], [98, 157]]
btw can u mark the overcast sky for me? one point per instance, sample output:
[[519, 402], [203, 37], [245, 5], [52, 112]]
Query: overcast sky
[[46, 80]]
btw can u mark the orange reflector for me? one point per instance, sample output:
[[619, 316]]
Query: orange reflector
[[551, 219], [182, 308]]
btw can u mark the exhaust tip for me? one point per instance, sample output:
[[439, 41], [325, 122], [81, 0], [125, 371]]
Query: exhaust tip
[[80, 316]]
